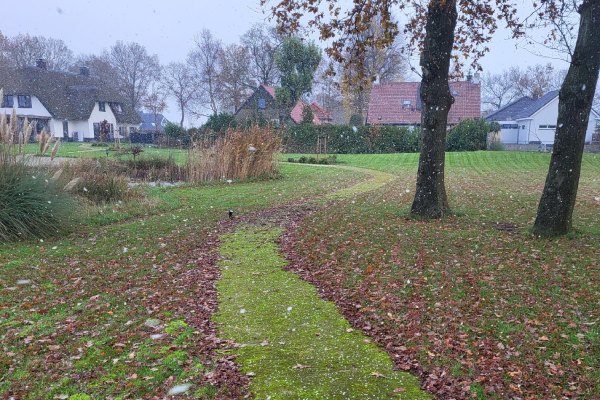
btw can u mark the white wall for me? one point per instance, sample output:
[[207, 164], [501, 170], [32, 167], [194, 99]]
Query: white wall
[[37, 109], [98, 116], [548, 115]]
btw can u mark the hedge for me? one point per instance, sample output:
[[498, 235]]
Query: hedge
[[346, 139]]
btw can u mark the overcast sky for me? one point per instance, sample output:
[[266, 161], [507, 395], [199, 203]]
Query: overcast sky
[[167, 28]]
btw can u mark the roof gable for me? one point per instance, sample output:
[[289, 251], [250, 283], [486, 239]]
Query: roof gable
[[524, 107], [65, 95], [399, 103]]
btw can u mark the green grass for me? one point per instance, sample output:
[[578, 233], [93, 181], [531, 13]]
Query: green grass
[[295, 345], [131, 259], [475, 285], [467, 282]]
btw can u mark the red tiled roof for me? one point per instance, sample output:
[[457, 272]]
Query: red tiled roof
[[296, 113], [321, 114], [399, 103], [269, 89]]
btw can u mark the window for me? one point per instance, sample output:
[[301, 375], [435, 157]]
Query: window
[[262, 104], [24, 101], [406, 104], [8, 101], [102, 106], [65, 128], [509, 126], [547, 126], [116, 107], [132, 129]]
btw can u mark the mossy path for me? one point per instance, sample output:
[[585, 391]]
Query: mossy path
[[292, 343]]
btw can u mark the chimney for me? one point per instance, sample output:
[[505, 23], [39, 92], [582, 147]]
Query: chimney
[[84, 71], [469, 77], [41, 63]]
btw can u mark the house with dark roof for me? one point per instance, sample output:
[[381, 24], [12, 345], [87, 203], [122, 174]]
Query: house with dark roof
[[67, 105], [152, 123], [533, 121], [399, 103], [261, 105]]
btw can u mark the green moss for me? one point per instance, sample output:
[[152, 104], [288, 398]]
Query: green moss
[[296, 344]]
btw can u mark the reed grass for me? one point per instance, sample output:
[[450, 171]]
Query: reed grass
[[238, 155]]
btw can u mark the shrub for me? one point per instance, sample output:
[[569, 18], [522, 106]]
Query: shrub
[[102, 188], [468, 135], [342, 139], [236, 155], [32, 204], [136, 150], [220, 122], [154, 168], [291, 159], [496, 145], [99, 144], [356, 120], [98, 180]]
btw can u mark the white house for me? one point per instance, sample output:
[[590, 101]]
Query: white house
[[68, 105], [533, 121]]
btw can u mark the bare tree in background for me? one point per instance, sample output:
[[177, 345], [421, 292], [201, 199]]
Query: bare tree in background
[[155, 102], [535, 81], [205, 61], [498, 89], [181, 83], [261, 42], [234, 77], [379, 64], [327, 93], [99, 68], [23, 50], [135, 70]]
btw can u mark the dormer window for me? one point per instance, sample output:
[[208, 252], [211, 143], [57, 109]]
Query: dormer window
[[406, 104], [102, 106], [8, 101], [262, 103], [24, 101], [116, 107]]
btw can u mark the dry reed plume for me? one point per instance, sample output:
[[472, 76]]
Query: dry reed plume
[[237, 155]]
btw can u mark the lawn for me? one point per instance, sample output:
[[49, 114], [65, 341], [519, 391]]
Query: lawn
[[472, 304], [121, 308]]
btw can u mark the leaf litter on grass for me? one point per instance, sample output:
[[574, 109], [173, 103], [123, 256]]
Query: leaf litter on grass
[[294, 344]]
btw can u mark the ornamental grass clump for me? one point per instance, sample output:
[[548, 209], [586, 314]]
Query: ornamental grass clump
[[238, 155], [97, 180], [32, 202]]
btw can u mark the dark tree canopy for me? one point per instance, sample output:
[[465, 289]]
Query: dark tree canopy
[[297, 63]]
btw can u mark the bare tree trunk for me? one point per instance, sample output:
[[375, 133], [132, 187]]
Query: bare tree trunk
[[430, 197], [555, 211]]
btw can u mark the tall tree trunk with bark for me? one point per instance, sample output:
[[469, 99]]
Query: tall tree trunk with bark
[[555, 211], [430, 198]]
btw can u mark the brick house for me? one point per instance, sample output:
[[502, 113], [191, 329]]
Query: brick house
[[261, 105], [399, 103]]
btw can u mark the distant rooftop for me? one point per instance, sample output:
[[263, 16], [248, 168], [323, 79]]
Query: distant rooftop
[[521, 108]]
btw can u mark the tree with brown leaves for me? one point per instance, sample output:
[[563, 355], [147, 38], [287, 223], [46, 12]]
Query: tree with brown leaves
[[442, 30]]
